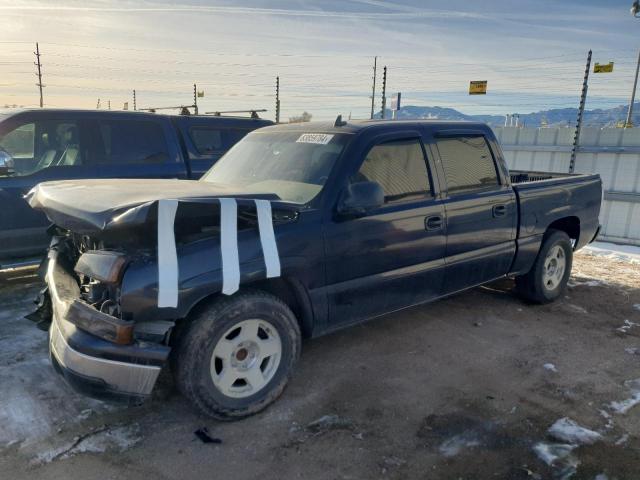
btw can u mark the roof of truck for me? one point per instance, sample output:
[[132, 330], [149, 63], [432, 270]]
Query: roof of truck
[[354, 126]]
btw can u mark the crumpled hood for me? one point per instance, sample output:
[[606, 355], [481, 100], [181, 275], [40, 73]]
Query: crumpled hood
[[88, 206]]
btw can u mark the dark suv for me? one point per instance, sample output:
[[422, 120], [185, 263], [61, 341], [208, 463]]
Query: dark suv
[[45, 145]]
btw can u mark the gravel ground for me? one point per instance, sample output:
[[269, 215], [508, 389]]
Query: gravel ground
[[464, 388]]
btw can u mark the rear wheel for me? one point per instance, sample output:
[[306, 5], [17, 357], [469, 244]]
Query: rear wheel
[[548, 277], [236, 356]]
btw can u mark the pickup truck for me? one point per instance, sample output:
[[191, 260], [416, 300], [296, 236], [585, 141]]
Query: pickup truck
[[297, 231], [41, 145]]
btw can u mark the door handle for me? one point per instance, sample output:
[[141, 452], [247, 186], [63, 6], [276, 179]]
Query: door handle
[[499, 210], [433, 223]]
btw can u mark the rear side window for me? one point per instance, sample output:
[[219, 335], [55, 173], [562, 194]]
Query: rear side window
[[398, 166], [467, 163], [206, 140], [132, 141], [209, 141]]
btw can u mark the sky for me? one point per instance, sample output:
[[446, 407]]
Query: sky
[[531, 52]]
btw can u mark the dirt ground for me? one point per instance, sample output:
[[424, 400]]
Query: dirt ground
[[464, 388]]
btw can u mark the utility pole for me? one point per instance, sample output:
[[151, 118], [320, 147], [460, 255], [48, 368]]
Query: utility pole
[[384, 92], [134, 99], [373, 89], [629, 122], [39, 65], [277, 99], [98, 105], [583, 100], [109, 104], [195, 99]]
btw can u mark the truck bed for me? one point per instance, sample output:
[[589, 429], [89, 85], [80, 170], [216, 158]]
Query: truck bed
[[544, 197], [526, 176]]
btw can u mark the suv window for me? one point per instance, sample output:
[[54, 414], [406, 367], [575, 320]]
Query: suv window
[[467, 163], [209, 140], [399, 166], [206, 140], [19, 143], [131, 141], [42, 144]]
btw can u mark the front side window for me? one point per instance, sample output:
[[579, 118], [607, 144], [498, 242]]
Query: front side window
[[131, 141], [467, 163], [37, 145], [20, 142], [399, 167], [292, 165]]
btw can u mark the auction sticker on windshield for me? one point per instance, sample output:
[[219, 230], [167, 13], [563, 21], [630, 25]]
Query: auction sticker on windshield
[[317, 138]]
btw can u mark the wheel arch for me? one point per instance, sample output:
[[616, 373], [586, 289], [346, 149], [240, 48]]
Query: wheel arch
[[569, 225], [289, 290]]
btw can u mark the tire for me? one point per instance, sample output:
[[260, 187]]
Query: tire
[[235, 356], [544, 283]]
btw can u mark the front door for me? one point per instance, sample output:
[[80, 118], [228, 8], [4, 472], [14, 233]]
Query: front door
[[392, 257]]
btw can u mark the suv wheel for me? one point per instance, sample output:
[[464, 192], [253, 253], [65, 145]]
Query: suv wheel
[[236, 356]]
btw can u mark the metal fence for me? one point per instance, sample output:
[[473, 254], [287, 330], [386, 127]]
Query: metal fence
[[614, 153]]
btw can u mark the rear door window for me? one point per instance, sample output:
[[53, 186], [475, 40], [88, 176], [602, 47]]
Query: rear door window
[[131, 141], [467, 163]]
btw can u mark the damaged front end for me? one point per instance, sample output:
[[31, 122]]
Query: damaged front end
[[109, 336], [91, 345]]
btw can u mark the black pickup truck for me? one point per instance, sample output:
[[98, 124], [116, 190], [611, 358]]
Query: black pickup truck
[[54, 144], [297, 231]]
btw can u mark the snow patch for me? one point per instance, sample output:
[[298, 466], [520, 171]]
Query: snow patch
[[632, 350], [621, 253], [627, 326], [550, 366], [117, 439], [586, 283], [636, 306], [624, 406], [454, 445], [567, 430]]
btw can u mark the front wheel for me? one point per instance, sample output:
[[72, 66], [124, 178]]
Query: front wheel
[[236, 356], [548, 277]]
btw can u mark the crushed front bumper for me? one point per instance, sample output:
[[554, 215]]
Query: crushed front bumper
[[91, 365]]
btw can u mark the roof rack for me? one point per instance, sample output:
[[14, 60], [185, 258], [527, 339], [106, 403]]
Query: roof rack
[[184, 110], [254, 112]]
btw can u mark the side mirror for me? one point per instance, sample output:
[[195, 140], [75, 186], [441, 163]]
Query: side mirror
[[361, 197], [6, 163]]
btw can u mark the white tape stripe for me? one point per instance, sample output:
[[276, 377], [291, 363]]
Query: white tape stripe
[[229, 245], [267, 238], [167, 256]]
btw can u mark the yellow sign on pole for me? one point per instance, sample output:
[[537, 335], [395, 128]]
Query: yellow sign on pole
[[606, 68], [478, 87], [201, 94]]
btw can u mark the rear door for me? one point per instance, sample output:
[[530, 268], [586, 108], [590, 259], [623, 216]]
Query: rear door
[[392, 257], [480, 207], [125, 147]]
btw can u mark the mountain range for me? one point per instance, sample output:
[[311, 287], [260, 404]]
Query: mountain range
[[555, 117]]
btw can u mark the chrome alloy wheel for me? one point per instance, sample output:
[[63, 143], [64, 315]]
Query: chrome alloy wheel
[[554, 267], [246, 358]]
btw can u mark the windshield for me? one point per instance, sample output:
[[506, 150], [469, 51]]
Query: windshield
[[293, 165]]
